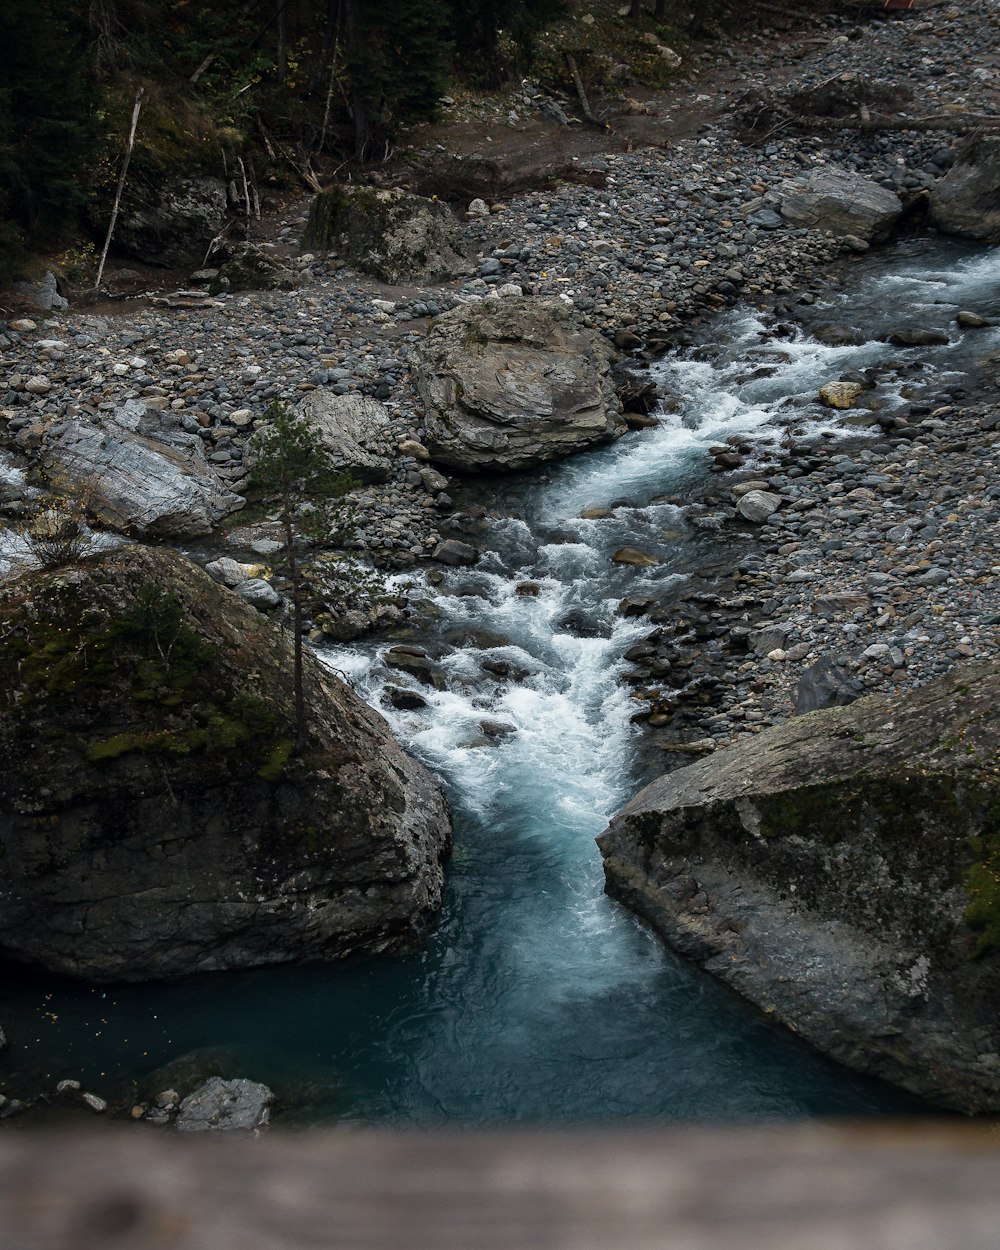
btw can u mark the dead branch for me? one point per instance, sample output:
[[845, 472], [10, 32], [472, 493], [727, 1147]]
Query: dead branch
[[201, 68], [580, 92], [121, 186]]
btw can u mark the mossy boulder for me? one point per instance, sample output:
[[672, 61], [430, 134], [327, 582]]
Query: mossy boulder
[[250, 268], [392, 235], [159, 815], [175, 223], [843, 871]]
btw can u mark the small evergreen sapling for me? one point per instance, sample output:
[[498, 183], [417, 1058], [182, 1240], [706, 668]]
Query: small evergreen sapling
[[292, 470]]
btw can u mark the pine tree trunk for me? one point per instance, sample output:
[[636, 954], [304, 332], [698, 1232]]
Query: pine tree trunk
[[296, 580]]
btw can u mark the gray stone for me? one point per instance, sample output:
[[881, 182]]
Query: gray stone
[[226, 571], [140, 485], [432, 481], [757, 505], [840, 201], [966, 201], [453, 552], [508, 384], [250, 268], [226, 1107], [173, 223], [259, 594], [836, 870], [45, 294], [762, 641], [266, 546]]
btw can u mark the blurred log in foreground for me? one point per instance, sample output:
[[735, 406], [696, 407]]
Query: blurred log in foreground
[[902, 1187]]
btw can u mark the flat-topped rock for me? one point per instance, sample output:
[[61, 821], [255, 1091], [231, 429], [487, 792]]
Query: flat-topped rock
[[842, 870]]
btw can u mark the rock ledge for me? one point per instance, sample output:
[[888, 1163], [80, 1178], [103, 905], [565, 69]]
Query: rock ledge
[[842, 870]]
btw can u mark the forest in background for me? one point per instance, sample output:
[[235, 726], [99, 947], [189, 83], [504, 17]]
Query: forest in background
[[307, 84]]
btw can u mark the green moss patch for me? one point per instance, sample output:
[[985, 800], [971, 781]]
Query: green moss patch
[[982, 885], [147, 669]]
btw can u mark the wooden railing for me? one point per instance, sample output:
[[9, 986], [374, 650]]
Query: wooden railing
[[902, 1187]]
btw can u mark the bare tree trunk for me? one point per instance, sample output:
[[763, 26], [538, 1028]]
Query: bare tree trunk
[[635, 9], [581, 93], [121, 186]]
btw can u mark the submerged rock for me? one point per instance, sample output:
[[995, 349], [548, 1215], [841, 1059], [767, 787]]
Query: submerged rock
[[842, 870], [508, 384], [226, 1106], [156, 815]]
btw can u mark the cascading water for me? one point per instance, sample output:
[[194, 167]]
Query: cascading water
[[536, 998]]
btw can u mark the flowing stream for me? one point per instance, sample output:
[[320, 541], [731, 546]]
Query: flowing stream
[[537, 998]]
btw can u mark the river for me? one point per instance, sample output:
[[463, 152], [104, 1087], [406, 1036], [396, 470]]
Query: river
[[537, 999]]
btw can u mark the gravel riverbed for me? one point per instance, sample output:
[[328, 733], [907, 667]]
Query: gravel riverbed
[[881, 560]]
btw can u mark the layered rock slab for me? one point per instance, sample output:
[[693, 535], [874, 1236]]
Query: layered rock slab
[[156, 814], [842, 871], [841, 201], [137, 475], [509, 384]]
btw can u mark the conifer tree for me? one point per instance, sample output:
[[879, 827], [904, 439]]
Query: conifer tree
[[48, 103], [292, 470]]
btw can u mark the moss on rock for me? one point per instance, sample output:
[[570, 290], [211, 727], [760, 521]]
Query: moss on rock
[[154, 793]]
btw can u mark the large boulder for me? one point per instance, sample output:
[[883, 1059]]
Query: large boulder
[[252, 268], [174, 224], [159, 814], [508, 384], [842, 870], [966, 201], [355, 432], [840, 201], [392, 235], [140, 475]]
